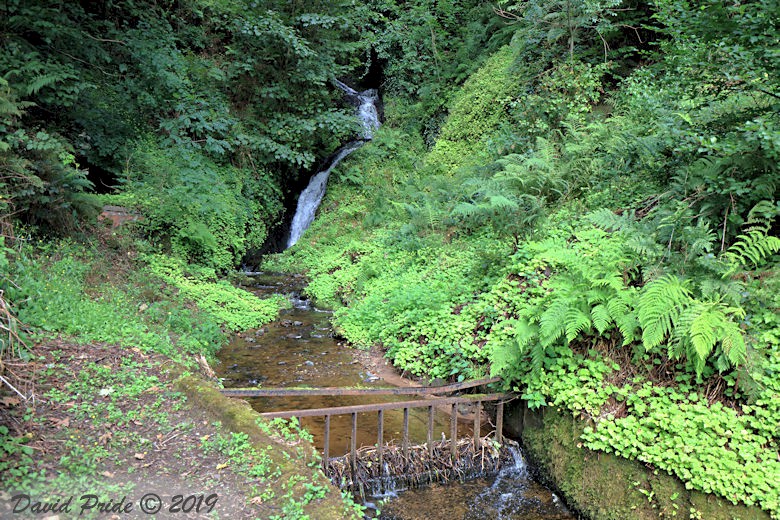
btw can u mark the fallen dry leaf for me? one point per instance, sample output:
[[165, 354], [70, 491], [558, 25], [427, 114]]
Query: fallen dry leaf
[[60, 423], [140, 456], [107, 474]]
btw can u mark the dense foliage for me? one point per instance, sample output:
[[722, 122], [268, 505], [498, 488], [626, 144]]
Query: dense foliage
[[579, 196], [199, 112], [595, 221]]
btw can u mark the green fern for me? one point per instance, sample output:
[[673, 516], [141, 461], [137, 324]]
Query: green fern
[[660, 305], [552, 324], [609, 221], [601, 318], [577, 322], [753, 247], [691, 328]]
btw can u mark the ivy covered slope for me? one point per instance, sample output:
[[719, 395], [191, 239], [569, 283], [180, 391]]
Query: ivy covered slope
[[592, 216]]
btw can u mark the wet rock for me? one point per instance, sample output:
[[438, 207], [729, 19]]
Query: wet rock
[[286, 323], [466, 409], [260, 332], [233, 367], [297, 323], [308, 363], [282, 363], [249, 339], [370, 377], [293, 336]]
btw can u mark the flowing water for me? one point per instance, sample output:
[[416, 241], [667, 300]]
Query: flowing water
[[310, 198], [299, 349], [510, 495]]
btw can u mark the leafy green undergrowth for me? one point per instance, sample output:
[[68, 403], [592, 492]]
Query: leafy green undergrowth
[[71, 289], [592, 311], [271, 481], [713, 448], [236, 308], [602, 235], [51, 296]]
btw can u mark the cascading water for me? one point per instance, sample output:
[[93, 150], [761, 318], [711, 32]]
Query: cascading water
[[511, 495], [310, 198]]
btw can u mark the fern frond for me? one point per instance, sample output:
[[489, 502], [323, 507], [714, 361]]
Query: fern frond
[[576, 322], [608, 221], [599, 295], [611, 279], [501, 202], [464, 209], [506, 354], [525, 332], [552, 324], [763, 211], [538, 352], [703, 332], [601, 318], [624, 316], [643, 245], [627, 324], [754, 246], [660, 303], [733, 343]]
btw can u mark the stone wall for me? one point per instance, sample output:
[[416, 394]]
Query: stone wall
[[602, 486]]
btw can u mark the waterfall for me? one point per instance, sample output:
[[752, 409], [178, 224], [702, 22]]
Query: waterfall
[[311, 196]]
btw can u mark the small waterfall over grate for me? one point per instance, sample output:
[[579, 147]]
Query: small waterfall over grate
[[311, 196]]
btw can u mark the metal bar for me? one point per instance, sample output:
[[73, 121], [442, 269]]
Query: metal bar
[[406, 436], [326, 455], [454, 430], [353, 446], [477, 424], [430, 431], [380, 439], [413, 390], [421, 403], [500, 422]]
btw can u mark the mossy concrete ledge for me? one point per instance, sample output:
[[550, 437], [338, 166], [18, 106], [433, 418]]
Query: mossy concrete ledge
[[601, 486], [238, 416]]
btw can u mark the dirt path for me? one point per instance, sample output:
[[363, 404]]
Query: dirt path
[[111, 422]]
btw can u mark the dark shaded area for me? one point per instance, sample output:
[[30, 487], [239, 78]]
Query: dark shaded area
[[375, 76], [104, 181]]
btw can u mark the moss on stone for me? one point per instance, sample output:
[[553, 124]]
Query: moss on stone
[[605, 487], [238, 416]]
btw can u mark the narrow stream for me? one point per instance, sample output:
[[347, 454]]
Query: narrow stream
[[299, 350]]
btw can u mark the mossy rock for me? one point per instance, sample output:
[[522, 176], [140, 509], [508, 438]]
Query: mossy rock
[[238, 416], [601, 486]]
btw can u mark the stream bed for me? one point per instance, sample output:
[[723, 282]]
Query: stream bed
[[299, 349]]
